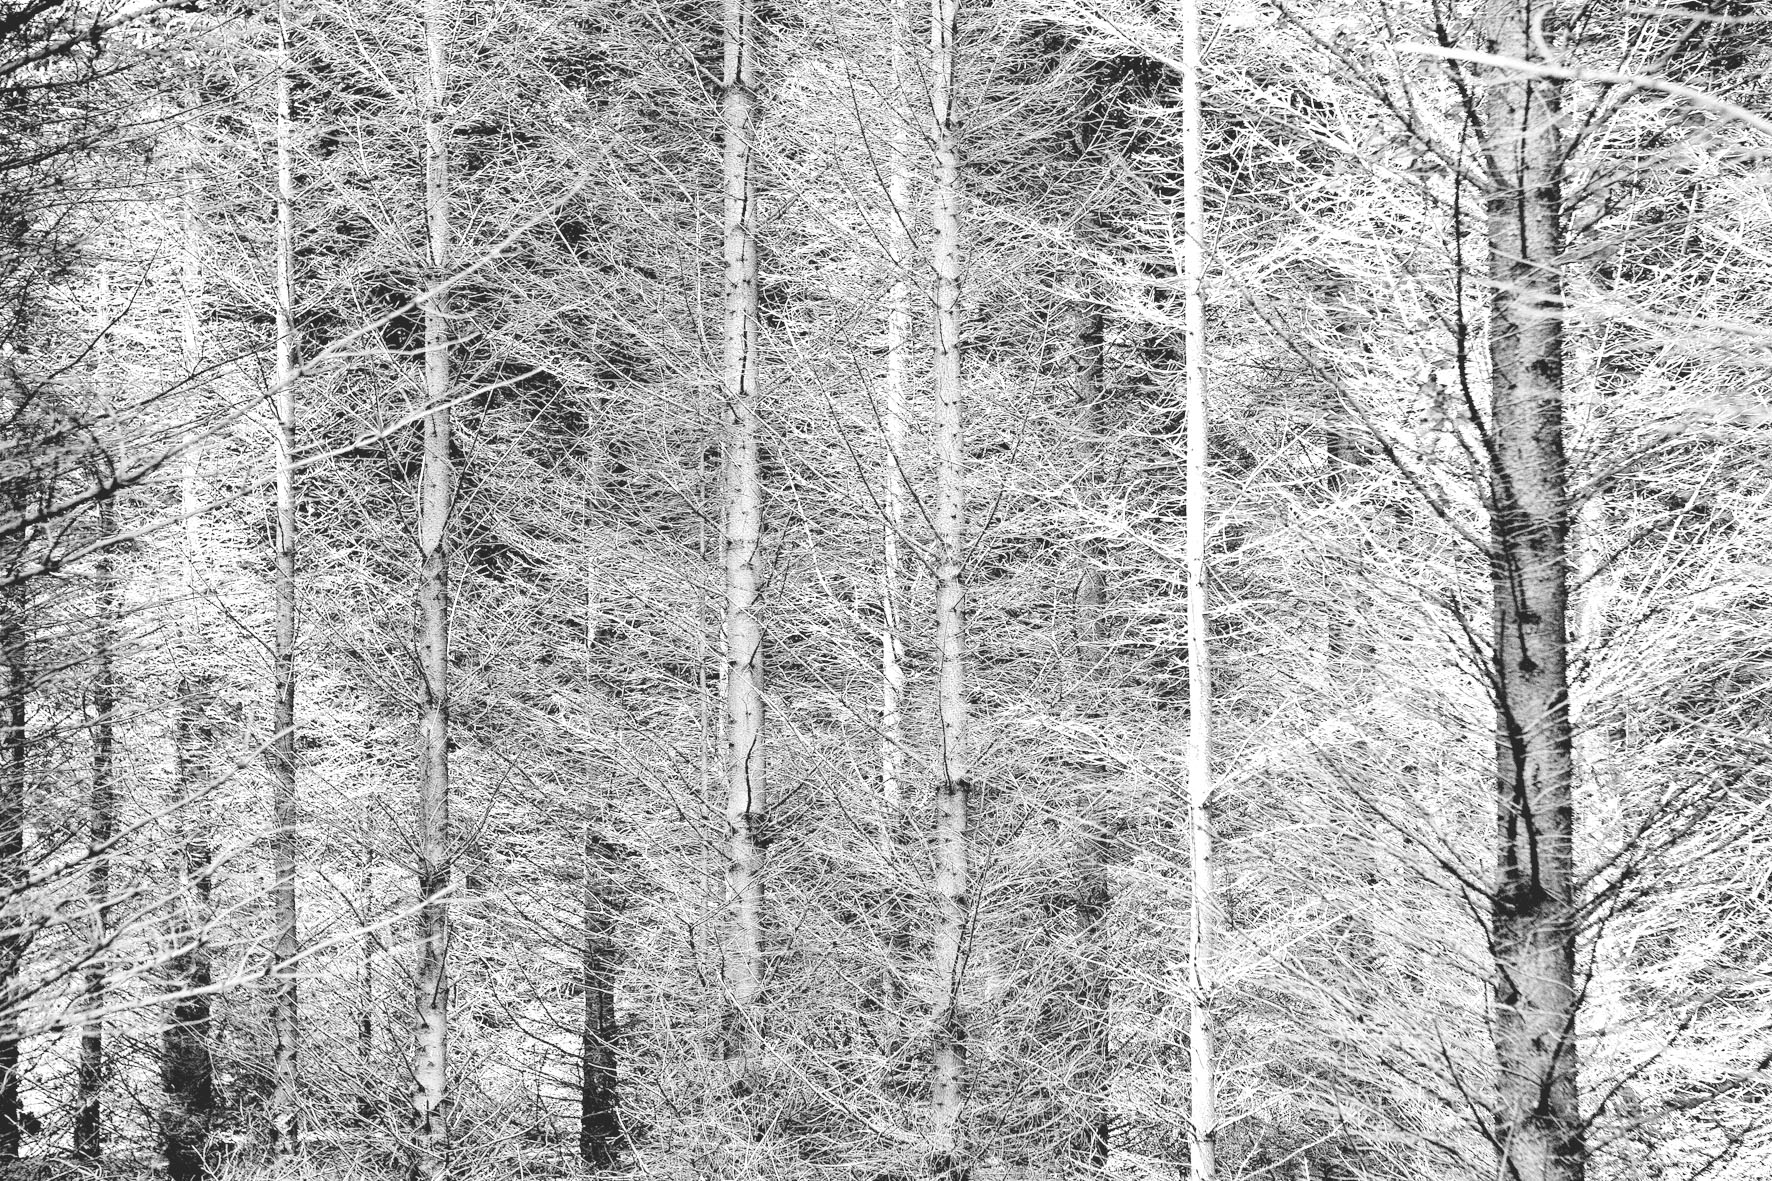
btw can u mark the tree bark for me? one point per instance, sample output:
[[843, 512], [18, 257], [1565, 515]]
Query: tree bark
[[894, 493], [895, 420], [430, 1061], [89, 1072], [102, 827], [186, 1071], [1202, 1062], [953, 788], [14, 779], [285, 839], [599, 1117], [1538, 1129], [14, 791], [747, 800], [600, 1140]]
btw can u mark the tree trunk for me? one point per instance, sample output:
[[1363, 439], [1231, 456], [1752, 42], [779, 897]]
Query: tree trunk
[[1202, 1063], [285, 843], [747, 800], [1538, 1126], [89, 1072], [953, 788], [599, 1120], [430, 1061], [186, 1071], [889, 1001], [102, 820], [14, 778], [894, 494], [369, 1085]]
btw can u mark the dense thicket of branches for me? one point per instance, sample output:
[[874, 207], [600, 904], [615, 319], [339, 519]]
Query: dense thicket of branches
[[591, 588]]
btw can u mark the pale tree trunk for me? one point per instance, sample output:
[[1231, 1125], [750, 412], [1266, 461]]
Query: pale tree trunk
[[89, 1071], [747, 800], [894, 501], [14, 780], [285, 844], [186, 1071], [953, 788], [430, 1058], [1538, 1128], [1202, 1062], [599, 1117], [894, 495], [14, 790]]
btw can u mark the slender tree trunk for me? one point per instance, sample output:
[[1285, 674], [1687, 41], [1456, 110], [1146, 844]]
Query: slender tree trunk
[[102, 808], [14, 778], [186, 1071], [894, 502], [14, 789], [894, 494], [953, 787], [89, 1072], [1538, 1126], [369, 1091], [599, 1119], [1202, 1060], [430, 1061], [285, 839], [747, 800]]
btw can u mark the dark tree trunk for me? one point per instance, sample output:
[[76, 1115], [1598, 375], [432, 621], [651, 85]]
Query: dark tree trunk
[[1538, 1127], [285, 839], [187, 1073], [102, 819], [599, 1120]]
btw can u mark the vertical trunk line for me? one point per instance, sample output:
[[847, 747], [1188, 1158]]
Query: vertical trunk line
[[1538, 1127], [14, 783], [14, 773], [186, 1071], [599, 1123], [599, 1119], [747, 800], [953, 792], [1202, 1063], [430, 1063], [90, 1073], [102, 799], [285, 1031], [895, 494]]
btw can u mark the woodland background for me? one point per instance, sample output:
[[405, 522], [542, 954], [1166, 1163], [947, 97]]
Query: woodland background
[[240, 497]]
